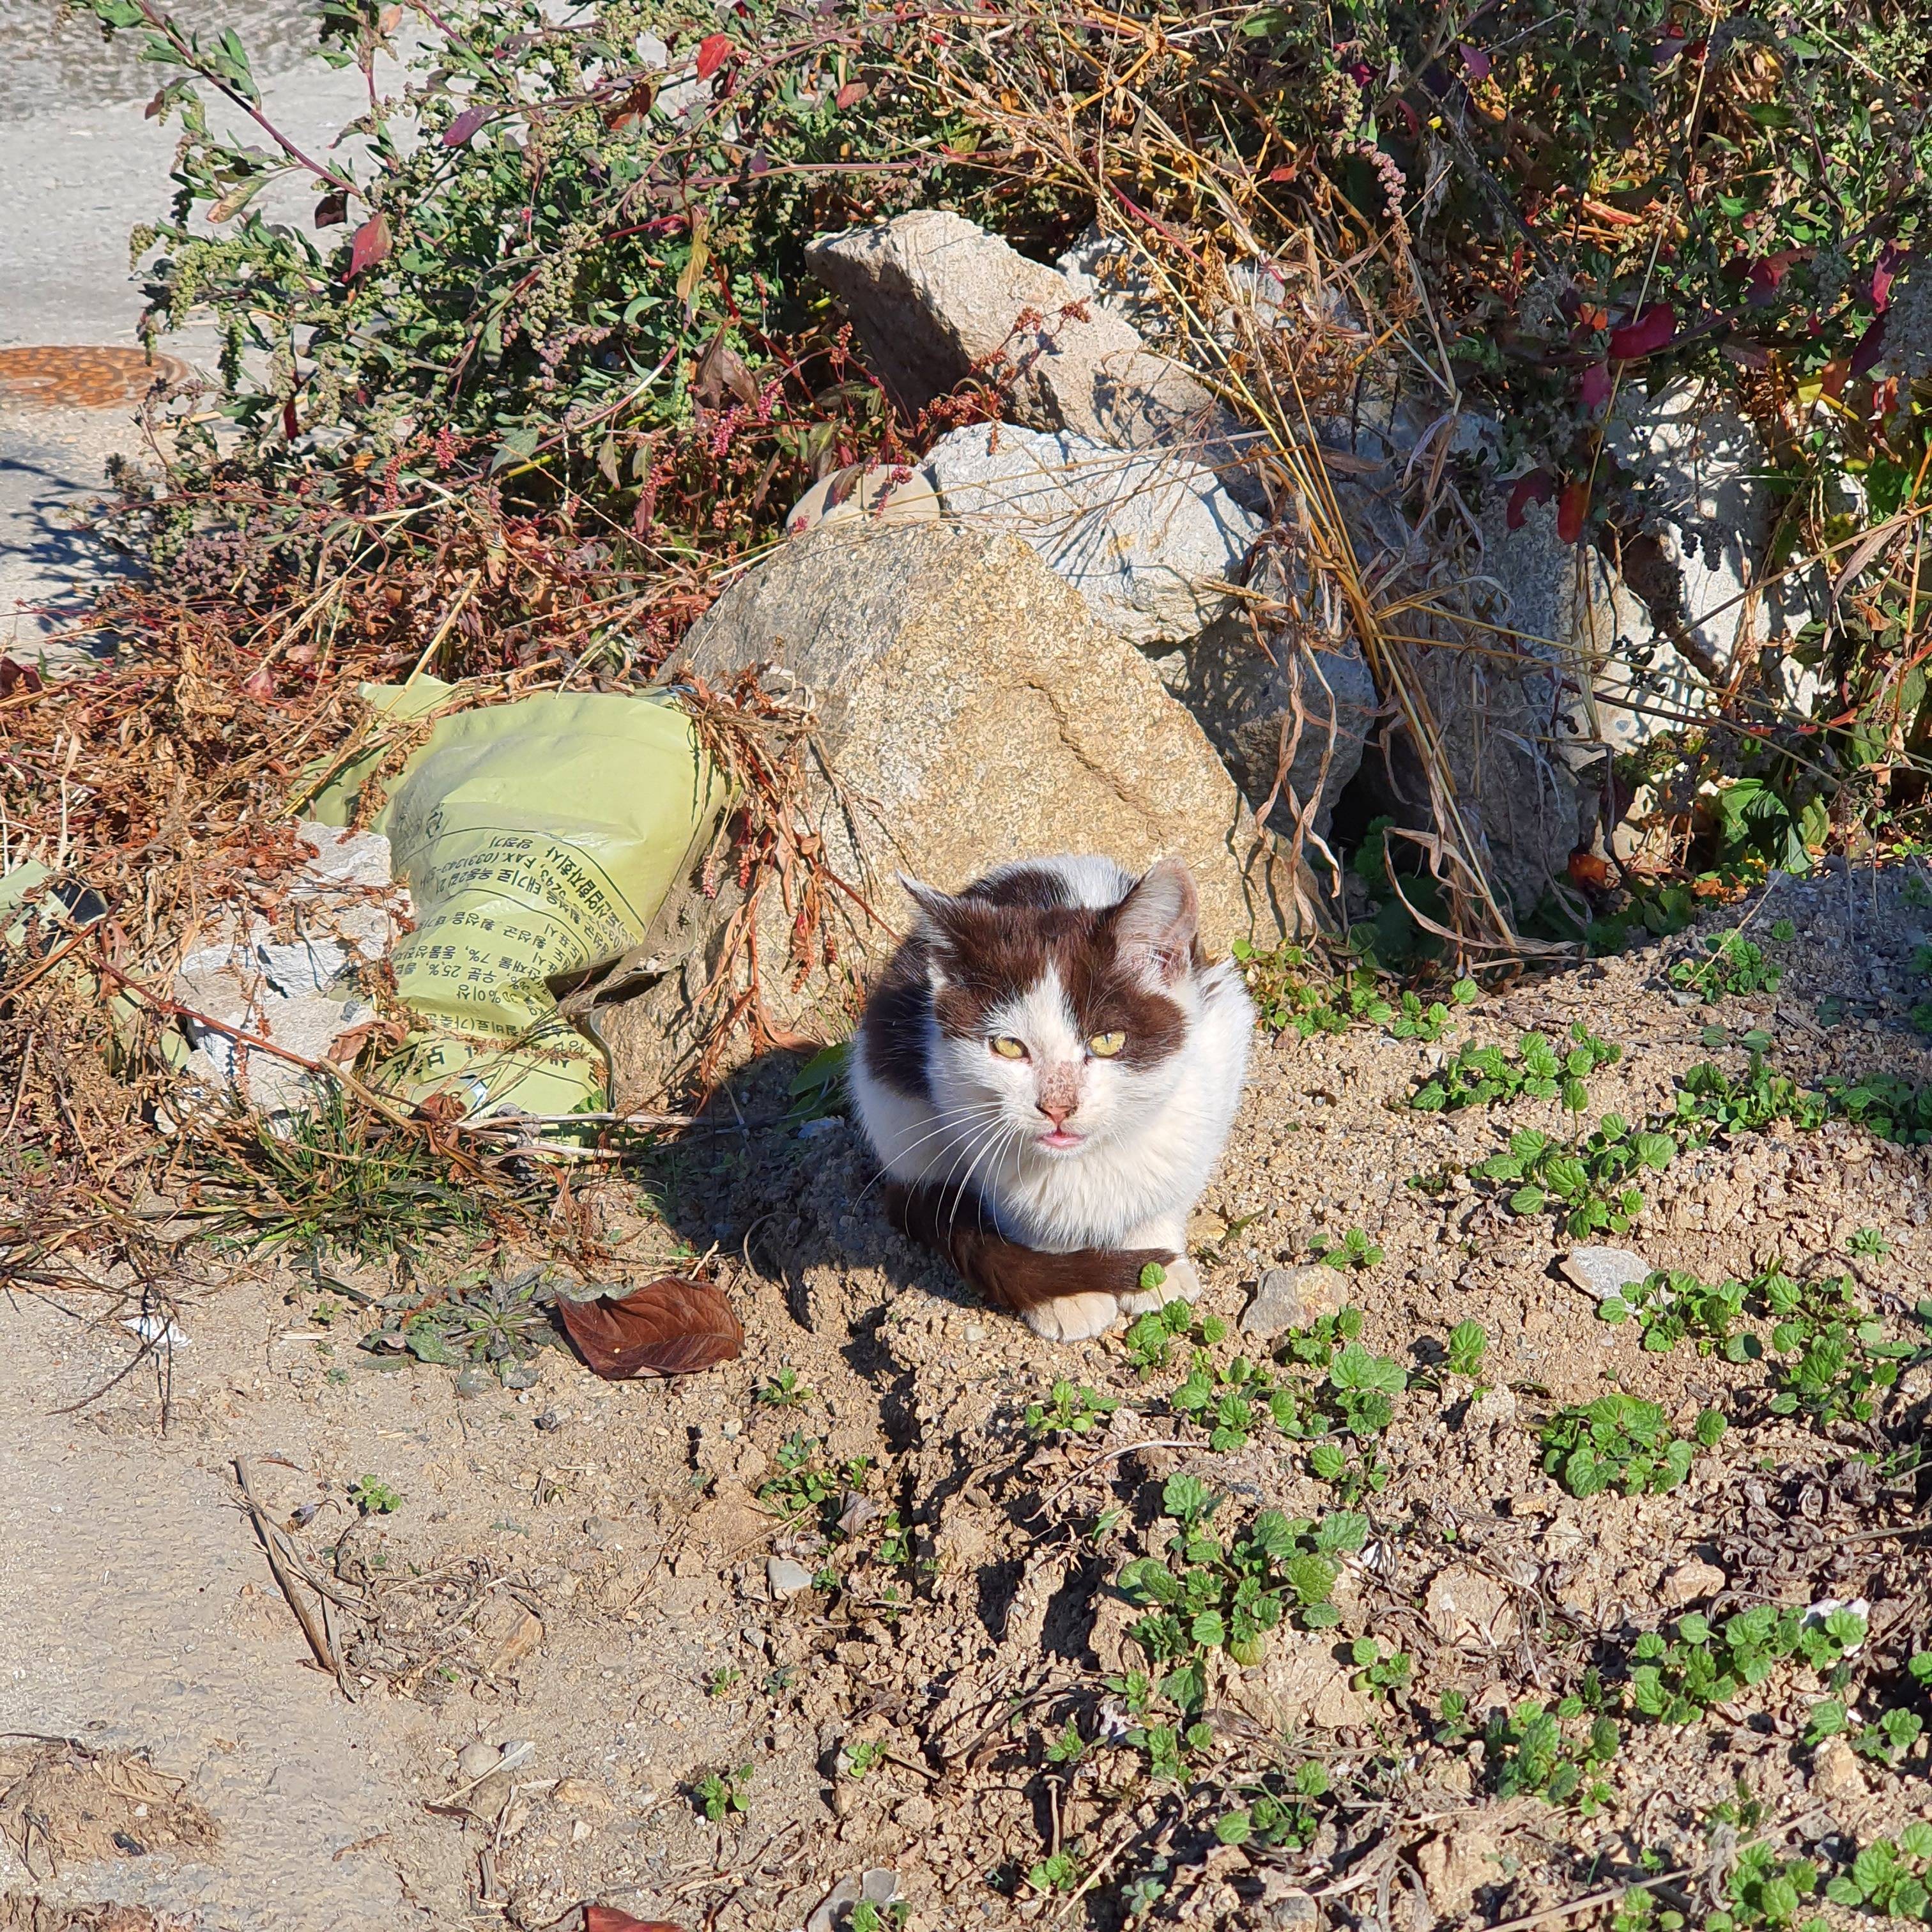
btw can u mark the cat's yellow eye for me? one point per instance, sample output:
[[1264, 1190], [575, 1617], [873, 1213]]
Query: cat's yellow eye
[[1008, 1047], [1104, 1046]]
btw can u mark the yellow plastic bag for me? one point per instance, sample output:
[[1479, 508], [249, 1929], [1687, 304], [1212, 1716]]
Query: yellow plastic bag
[[536, 838]]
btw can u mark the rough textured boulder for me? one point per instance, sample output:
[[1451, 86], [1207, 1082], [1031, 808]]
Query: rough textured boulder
[[1492, 711], [1147, 537], [1248, 679], [969, 711], [1494, 714], [933, 298]]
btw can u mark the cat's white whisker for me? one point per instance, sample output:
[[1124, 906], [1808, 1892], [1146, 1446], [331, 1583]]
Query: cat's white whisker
[[959, 1120]]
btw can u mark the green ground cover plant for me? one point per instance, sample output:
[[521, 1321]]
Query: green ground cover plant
[[1676, 1680], [1209, 1593], [1622, 1441]]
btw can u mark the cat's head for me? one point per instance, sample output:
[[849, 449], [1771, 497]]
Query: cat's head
[[1061, 1021]]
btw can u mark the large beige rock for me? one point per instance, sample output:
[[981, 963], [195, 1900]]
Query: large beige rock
[[934, 299], [970, 712]]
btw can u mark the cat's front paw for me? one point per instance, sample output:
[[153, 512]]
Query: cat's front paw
[[1073, 1318], [1183, 1284]]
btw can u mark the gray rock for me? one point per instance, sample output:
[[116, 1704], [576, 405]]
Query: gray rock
[[1687, 608], [1245, 684], [1109, 272], [477, 1759], [879, 1885], [934, 299], [970, 712], [1149, 539], [785, 1577], [1492, 711], [1287, 1298], [1602, 1273], [296, 993]]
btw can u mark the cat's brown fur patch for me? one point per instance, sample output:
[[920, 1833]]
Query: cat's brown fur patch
[[1005, 1274]]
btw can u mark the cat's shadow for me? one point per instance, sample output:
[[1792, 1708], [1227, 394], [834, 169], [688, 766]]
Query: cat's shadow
[[798, 1200], [800, 1206]]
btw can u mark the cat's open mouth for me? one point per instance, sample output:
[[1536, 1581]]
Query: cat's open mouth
[[1060, 1140]]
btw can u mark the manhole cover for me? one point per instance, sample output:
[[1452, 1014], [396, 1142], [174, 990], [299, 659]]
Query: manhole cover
[[83, 379]]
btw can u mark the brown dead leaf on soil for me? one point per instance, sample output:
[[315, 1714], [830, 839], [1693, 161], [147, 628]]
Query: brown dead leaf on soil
[[670, 1327]]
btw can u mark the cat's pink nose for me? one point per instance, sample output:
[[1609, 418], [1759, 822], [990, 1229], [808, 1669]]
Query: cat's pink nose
[[1056, 1111]]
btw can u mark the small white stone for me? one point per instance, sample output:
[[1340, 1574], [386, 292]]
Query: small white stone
[[1601, 1272], [785, 1577]]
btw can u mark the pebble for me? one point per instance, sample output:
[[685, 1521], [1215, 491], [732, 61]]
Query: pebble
[[785, 1577], [477, 1760], [1690, 1583], [1835, 1775], [1601, 1272], [1495, 1408], [1287, 1298]]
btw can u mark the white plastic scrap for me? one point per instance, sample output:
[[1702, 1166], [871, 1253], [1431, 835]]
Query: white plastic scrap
[[294, 993]]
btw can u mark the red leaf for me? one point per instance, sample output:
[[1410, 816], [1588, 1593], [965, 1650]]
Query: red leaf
[[1477, 63], [851, 95], [1572, 507], [1832, 377], [1870, 346], [1537, 486], [668, 1328], [608, 1919], [713, 52], [1593, 387], [372, 244], [1587, 869], [1885, 272], [465, 124], [332, 210], [1768, 271], [1648, 333], [16, 677], [259, 685]]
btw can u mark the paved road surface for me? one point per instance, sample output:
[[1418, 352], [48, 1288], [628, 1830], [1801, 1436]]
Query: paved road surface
[[79, 165]]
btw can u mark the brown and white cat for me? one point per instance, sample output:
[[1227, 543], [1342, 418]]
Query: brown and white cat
[[1048, 1070]]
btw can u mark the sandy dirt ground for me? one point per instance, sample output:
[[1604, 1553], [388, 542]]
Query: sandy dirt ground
[[843, 1580]]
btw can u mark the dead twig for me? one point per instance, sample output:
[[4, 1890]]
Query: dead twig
[[314, 1627]]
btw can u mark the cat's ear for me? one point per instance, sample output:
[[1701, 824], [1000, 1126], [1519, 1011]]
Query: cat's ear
[[935, 924], [1155, 925], [935, 906]]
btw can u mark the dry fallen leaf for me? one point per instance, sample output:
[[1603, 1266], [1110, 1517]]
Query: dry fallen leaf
[[667, 1327], [608, 1919]]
